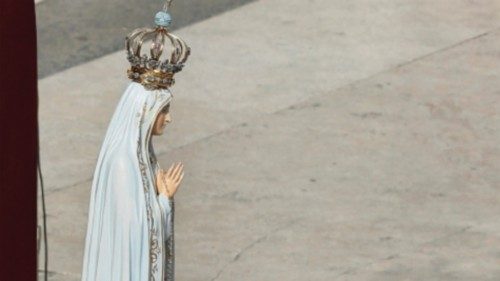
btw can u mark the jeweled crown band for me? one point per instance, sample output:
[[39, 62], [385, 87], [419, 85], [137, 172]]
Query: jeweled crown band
[[151, 79]]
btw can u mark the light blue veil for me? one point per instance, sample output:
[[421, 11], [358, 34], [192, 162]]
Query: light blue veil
[[125, 234]]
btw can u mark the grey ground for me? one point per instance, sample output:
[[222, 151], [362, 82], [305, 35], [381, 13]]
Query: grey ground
[[323, 140], [73, 32]]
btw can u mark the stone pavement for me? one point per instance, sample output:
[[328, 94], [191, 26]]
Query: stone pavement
[[323, 140]]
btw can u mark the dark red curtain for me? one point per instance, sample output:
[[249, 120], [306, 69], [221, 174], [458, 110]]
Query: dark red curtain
[[18, 140]]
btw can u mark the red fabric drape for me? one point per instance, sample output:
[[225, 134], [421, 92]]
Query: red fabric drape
[[18, 140]]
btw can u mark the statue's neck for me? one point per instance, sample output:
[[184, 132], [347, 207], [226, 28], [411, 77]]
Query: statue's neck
[[151, 152]]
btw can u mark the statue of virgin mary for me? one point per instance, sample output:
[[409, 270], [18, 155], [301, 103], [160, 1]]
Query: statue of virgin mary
[[131, 210], [130, 234]]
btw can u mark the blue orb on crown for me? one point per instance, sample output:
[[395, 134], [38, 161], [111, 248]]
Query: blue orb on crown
[[163, 19]]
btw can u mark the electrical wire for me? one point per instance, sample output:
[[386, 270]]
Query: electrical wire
[[44, 217]]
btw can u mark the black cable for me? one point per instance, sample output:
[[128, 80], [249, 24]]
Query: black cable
[[44, 219]]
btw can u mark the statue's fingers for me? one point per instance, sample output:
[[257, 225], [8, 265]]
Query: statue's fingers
[[178, 171], [180, 178], [169, 172], [163, 181], [172, 172]]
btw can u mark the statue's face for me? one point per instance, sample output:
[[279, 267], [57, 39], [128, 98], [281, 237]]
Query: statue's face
[[162, 120]]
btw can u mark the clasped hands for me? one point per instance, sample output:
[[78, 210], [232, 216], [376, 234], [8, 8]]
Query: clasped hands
[[167, 182]]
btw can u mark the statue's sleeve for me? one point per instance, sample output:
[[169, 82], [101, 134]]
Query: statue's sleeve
[[167, 205]]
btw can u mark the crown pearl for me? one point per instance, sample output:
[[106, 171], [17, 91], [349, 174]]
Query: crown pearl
[[163, 19]]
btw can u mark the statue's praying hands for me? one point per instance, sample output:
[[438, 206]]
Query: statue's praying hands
[[167, 182]]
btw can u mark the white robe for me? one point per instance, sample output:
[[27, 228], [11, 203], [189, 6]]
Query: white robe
[[130, 227]]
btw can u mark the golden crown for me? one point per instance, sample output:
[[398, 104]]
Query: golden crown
[[155, 71]]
